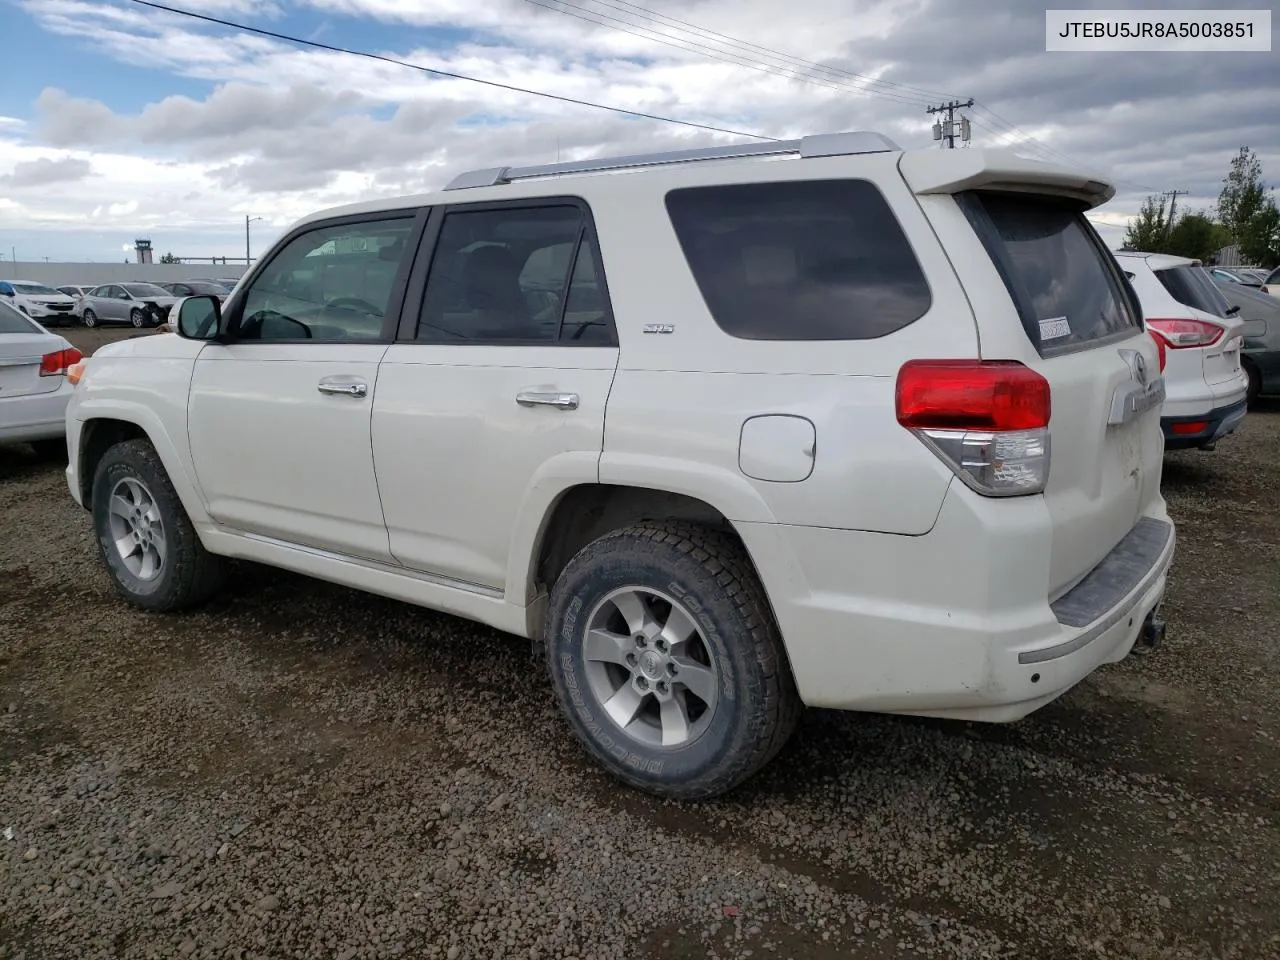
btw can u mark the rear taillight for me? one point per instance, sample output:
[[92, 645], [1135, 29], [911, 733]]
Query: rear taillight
[[1180, 334], [1161, 349], [987, 420], [55, 364]]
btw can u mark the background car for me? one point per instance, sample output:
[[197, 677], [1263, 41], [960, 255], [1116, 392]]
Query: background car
[[1271, 285], [196, 288], [141, 304], [75, 290], [1248, 276], [33, 383], [36, 300], [1261, 354], [1201, 338]]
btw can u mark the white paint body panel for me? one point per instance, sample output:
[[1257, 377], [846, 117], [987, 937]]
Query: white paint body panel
[[457, 455], [895, 587], [278, 458]]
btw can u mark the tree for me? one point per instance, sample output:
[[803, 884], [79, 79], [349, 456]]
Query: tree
[[1148, 232], [169, 258], [1197, 236], [1248, 212]]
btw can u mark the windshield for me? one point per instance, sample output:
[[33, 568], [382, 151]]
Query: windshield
[[34, 288], [1191, 287], [1067, 287], [145, 290]]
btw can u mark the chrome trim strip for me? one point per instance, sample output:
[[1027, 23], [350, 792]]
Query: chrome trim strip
[[378, 565], [1118, 613]]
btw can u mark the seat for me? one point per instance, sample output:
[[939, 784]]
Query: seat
[[491, 286]]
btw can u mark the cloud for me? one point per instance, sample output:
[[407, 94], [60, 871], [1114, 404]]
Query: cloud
[[44, 171], [282, 130]]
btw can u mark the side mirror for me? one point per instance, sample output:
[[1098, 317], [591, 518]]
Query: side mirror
[[199, 318]]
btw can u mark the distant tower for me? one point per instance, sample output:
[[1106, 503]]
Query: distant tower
[[144, 250]]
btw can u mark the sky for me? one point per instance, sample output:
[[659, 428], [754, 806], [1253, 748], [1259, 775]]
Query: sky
[[120, 121]]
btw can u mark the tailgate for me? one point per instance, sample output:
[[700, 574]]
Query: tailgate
[[1060, 304], [20, 355]]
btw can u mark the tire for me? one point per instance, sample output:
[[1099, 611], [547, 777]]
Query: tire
[[89, 318], [734, 654], [53, 450], [182, 572], [137, 317], [1255, 384]]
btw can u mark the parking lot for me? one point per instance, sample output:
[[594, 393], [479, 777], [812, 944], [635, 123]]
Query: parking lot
[[299, 770]]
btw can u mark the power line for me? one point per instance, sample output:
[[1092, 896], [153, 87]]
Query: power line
[[679, 43], [901, 93], [287, 38]]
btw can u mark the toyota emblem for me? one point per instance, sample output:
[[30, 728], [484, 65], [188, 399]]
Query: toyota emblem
[[1140, 368]]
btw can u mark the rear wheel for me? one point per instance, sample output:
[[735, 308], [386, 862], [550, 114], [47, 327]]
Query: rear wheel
[[89, 317], [1255, 384], [137, 317], [150, 549], [667, 662]]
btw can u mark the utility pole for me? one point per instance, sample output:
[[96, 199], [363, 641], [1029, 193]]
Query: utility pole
[[950, 109], [247, 220], [1173, 202]]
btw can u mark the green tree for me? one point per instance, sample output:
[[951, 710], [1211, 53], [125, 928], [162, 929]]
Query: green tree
[[1248, 212], [1196, 235], [169, 258], [1148, 232]]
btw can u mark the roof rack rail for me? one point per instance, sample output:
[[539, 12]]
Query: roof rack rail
[[817, 145]]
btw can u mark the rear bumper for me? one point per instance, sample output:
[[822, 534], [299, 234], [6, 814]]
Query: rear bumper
[[1217, 423], [39, 416], [938, 626]]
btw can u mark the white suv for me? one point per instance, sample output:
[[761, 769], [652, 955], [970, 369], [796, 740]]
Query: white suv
[[724, 432], [1200, 339]]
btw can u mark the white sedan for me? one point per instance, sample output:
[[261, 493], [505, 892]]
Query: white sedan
[[33, 384]]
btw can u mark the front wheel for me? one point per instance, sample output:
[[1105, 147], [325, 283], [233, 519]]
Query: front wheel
[[667, 662], [136, 317], [90, 318], [150, 549]]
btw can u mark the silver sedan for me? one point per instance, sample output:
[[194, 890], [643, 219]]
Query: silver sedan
[[141, 304], [33, 383]]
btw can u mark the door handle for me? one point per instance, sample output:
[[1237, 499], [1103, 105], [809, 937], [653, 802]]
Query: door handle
[[345, 388], [533, 398]]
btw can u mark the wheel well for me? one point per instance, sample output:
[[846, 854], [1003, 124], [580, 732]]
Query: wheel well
[[97, 438], [589, 511]]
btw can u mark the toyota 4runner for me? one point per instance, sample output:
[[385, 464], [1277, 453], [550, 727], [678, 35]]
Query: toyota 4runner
[[725, 432]]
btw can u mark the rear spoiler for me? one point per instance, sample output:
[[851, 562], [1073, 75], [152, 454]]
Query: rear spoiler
[[951, 171]]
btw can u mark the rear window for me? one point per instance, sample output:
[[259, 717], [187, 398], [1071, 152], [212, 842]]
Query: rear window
[[1065, 283], [1191, 287], [11, 321], [806, 260]]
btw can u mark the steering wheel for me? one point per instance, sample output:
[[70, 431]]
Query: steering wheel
[[251, 328], [353, 303]]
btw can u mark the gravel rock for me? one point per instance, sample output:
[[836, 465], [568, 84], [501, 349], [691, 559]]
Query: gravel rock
[[300, 770]]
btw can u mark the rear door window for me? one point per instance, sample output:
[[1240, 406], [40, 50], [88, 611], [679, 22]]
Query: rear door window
[[1067, 287], [805, 260], [1191, 287]]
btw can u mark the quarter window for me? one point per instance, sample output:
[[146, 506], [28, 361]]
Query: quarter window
[[331, 283], [804, 260], [516, 274]]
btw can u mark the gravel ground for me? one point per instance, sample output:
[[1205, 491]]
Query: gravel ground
[[298, 770]]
